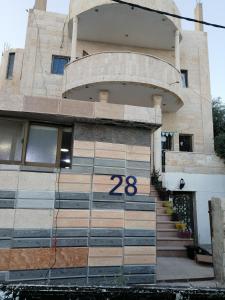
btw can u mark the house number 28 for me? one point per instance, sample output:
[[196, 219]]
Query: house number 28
[[130, 188]]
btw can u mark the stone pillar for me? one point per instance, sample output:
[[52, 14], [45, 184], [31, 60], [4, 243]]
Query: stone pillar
[[218, 237], [177, 49], [40, 4], [74, 39], [104, 96], [157, 144], [199, 17]]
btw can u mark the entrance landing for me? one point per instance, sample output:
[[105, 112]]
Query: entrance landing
[[171, 269]]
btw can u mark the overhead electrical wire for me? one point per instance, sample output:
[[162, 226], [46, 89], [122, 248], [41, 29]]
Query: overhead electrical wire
[[132, 5]]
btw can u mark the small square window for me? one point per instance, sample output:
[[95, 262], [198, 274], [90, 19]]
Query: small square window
[[10, 66], [58, 64], [186, 142], [184, 78]]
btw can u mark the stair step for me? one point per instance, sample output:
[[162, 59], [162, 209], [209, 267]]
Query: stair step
[[161, 210], [173, 242], [171, 251], [163, 217], [166, 225], [169, 233]]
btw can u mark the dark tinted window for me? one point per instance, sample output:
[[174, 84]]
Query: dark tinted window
[[10, 67], [66, 155], [167, 141], [185, 142], [184, 78], [58, 64]]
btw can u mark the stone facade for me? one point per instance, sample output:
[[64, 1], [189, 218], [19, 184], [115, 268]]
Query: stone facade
[[63, 225]]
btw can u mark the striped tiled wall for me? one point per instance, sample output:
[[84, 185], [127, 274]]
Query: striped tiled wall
[[65, 228]]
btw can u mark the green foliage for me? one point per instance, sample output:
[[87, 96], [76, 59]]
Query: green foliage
[[219, 126], [220, 145]]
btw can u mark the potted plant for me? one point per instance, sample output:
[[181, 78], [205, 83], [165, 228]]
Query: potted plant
[[183, 231], [155, 177]]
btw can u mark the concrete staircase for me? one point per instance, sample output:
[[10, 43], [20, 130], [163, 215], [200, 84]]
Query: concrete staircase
[[168, 242]]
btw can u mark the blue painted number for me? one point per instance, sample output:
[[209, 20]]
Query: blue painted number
[[130, 189]]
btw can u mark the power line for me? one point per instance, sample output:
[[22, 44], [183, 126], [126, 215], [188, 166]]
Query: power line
[[168, 14]]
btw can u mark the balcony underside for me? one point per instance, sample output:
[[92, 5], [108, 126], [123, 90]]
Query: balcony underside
[[127, 93], [107, 22]]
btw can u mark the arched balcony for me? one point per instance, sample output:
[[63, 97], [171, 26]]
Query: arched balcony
[[130, 78]]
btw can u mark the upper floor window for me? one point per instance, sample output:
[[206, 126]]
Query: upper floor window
[[10, 67], [184, 78], [186, 142], [35, 144], [167, 141], [58, 64]]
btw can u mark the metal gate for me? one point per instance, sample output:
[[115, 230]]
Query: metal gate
[[183, 205]]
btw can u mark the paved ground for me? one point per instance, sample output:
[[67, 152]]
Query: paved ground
[[179, 268]]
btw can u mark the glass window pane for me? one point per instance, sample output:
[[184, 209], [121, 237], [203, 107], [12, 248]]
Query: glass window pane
[[65, 160], [10, 66], [185, 143], [42, 144], [58, 64], [11, 140]]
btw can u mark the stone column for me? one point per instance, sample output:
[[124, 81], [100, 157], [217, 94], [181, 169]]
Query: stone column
[[199, 17], [40, 4], [104, 96], [157, 144], [74, 39], [177, 49]]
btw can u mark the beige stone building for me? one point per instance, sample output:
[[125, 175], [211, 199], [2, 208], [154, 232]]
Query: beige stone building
[[96, 102]]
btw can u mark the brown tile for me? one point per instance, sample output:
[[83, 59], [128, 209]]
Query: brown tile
[[83, 145], [32, 259], [110, 154], [110, 146], [83, 152], [73, 178], [71, 257], [70, 213], [117, 251], [75, 187], [138, 157], [107, 223], [4, 259], [72, 223], [139, 259], [140, 215], [132, 224], [139, 250], [28, 259], [105, 261], [110, 214]]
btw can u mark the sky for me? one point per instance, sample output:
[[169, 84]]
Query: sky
[[13, 21]]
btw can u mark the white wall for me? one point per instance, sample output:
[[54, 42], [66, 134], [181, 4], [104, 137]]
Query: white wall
[[205, 186]]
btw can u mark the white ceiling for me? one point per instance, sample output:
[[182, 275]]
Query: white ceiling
[[127, 93], [120, 24]]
